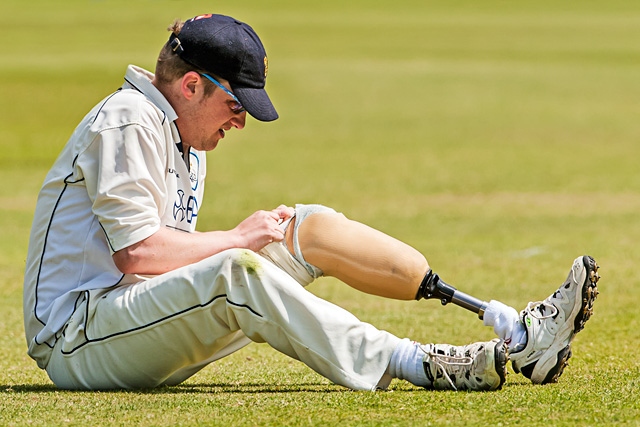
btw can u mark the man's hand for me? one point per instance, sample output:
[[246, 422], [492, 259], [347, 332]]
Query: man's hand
[[168, 249], [284, 212], [262, 228]]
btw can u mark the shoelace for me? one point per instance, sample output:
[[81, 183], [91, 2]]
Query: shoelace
[[456, 363], [540, 316]]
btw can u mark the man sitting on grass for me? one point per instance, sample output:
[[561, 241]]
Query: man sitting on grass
[[121, 291]]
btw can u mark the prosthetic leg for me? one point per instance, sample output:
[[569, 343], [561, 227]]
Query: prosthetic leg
[[433, 287]]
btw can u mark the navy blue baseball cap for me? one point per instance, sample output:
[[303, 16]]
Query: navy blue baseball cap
[[230, 49]]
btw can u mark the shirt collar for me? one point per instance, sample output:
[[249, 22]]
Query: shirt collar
[[140, 79]]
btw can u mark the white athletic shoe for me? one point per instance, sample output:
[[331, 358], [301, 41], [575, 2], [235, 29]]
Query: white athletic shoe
[[553, 323], [478, 366]]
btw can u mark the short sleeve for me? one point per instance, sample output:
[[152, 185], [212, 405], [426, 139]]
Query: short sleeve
[[124, 169]]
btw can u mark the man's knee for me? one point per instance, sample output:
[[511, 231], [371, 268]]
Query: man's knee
[[308, 214], [243, 259], [228, 264]]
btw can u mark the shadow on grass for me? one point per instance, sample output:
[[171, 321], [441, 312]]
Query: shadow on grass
[[251, 388], [239, 388], [27, 388]]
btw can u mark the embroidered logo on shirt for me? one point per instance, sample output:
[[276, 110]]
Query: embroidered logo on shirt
[[194, 170], [185, 210]]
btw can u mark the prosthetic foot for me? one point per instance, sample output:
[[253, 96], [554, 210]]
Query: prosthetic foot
[[550, 325], [553, 323]]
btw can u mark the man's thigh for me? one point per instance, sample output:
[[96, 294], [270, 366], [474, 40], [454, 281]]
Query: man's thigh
[[143, 335]]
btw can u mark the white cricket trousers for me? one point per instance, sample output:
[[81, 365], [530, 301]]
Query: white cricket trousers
[[164, 330]]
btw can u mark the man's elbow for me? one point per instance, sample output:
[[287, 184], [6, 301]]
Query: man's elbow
[[125, 261]]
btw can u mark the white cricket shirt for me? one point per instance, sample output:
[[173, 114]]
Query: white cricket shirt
[[120, 177]]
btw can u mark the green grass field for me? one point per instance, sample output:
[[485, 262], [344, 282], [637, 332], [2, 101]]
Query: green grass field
[[499, 138]]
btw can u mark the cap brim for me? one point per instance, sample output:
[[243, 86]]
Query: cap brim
[[256, 102]]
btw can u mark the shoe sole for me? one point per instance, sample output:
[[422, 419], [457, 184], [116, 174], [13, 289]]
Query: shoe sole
[[501, 357], [589, 295]]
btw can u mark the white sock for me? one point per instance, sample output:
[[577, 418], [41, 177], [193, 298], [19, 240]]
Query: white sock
[[406, 363], [506, 324]]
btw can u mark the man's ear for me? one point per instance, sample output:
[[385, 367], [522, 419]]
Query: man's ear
[[189, 84]]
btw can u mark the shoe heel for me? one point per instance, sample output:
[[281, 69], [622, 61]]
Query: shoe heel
[[563, 360]]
